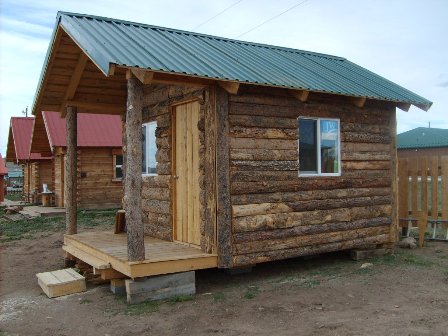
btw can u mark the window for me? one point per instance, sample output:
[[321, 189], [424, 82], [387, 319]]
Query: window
[[319, 147], [149, 148], [118, 167]]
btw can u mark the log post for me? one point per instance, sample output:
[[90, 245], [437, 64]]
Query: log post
[[70, 183], [133, 176]]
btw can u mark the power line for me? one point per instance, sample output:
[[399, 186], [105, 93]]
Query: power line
[[272, 18], [221, 12]]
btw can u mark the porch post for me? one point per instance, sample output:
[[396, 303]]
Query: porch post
[[133, 176], [71, 171]]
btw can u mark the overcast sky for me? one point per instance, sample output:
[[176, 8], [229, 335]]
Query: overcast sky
[[404, 40]]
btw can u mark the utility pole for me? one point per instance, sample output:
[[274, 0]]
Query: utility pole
[[25, 112]]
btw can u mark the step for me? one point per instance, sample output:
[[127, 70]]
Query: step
[[61, 282]]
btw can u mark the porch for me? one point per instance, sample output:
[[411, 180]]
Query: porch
[[106, 252]]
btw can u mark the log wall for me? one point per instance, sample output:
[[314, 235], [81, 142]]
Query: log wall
[[96, 187], [157, 191], [277, 214]]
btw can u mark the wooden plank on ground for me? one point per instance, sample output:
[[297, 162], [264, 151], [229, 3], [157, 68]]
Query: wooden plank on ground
[[61, 282]]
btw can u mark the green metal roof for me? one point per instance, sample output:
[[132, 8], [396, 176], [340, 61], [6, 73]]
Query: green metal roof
[[109, 41], [423, 137]]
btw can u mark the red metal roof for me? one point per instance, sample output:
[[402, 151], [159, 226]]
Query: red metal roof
[[3, 169], [94, 130], [22, 128]]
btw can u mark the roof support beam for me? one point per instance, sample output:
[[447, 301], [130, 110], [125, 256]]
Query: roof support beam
[[230, 87], [359, 101], [74, 81], [99, 108], [404, 106], [301, 95], [144, 76]]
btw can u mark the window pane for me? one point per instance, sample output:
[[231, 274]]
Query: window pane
[[329, 151], [118, 172], [151, 149], [119, 160], [144, 167], [308, 145]]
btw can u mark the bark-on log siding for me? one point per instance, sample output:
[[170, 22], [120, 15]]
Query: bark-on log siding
[[275, 213], [157, 194]]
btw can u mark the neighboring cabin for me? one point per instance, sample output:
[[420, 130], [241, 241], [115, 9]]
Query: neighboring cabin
[[36, 168], [262, 152], [422, 141], [3, 174], [99, 157]]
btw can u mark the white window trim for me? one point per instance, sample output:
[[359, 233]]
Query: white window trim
[[319, 172], [115, 178], [146, 148]]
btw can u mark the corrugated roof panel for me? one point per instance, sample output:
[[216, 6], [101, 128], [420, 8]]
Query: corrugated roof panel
[[109, 41], [94, 130], [423, 137]]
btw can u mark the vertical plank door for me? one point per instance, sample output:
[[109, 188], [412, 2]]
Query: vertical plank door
[[186, 171]]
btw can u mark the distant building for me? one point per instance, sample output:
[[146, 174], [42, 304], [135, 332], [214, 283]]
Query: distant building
[[422, 141], [3, 173]]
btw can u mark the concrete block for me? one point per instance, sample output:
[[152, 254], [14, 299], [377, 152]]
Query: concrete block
[[160, 287], [118, 286]]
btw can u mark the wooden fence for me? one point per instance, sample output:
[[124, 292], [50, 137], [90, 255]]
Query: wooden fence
[[423, 193]]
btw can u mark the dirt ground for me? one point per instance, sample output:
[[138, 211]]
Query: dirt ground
[[401, 294]]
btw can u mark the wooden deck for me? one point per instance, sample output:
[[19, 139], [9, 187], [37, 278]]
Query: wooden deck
[[105, 250]]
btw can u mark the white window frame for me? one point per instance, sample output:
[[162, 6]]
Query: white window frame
[[115, 166], [147, 148], [319, 169]]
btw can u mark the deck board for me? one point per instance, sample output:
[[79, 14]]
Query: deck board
[[161, 256]]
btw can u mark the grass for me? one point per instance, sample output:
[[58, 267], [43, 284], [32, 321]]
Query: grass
[[85, 301], [143, 308], [14, 196], [251, 292], [26, 228], [180, 298], [401, 257], [219, 297]]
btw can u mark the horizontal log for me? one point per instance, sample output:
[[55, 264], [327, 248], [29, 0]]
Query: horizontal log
[[284, 220], [304, 184], [253, 258], [325, 204], [159, 219], [365, 128], [163, 132], [357, 147], [256, 176], [156, 206], [159, 181], [365, 156], [164, 168], [263, 133], [163, 155], [309, 195], [365, 165], [265, 165], [367, 174], [309, 230], [164, 120], [262, 121], [237, 143], [315, 239], [164, 142], [264, 154], [151, 193], [264, 110], [365, 137]]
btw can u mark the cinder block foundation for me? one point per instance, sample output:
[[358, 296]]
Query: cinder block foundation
[[366, 254], [118, 286], [160, 287]]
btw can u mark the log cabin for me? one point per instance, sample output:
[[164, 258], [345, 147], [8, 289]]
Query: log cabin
[[37, 168], [250, 153], [3, 173], [99, 157]]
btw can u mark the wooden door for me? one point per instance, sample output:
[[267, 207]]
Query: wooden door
[[186, 173]]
